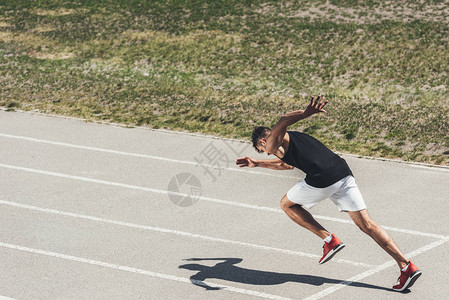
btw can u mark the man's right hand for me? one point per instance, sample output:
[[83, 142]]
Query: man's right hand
[[245, 162]]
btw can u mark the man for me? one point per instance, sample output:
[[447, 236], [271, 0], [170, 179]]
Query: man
[[327, 176]]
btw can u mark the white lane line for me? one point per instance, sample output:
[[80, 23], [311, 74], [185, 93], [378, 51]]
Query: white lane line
[[426, 166], [430, 167], [177, 232], [5, 298], [356, 278], [413, 164], [389, 228], [138, 271], [209, 199], [237, 169]]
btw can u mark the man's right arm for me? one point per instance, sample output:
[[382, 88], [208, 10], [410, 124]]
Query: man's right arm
[[274, 164]]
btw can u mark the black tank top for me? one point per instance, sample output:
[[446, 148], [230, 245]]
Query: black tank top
[[322, 166]]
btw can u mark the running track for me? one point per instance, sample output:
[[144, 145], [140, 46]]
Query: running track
[[85, 214]]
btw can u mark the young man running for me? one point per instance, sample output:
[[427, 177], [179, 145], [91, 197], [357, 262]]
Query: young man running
[[327, 176]]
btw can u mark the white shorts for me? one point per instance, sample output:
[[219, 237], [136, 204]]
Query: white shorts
[[344, 193]]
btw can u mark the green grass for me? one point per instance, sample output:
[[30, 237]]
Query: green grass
[[222, 67]]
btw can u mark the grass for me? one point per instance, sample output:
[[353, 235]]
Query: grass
[[222, 67]]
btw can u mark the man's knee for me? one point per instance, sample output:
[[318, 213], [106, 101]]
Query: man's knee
[[363, 221], [283, 203], [366, 225], [286, 203]]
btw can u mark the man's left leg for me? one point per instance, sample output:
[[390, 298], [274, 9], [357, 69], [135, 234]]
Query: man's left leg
[[381, 236], [409, 272]]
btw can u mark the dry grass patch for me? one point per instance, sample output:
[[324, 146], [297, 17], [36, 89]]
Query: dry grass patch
[[373, 13], [55, 13], [52, 56], [42, 29], [37, 46], [28, 40]]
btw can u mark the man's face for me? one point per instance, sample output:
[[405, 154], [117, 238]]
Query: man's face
[[261, 146]]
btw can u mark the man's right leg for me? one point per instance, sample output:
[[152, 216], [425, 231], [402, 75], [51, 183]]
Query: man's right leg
[[303, 218]]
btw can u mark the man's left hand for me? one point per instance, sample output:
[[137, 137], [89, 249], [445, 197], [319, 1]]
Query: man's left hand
[[315, 106]]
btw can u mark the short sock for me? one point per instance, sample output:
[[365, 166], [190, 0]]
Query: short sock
[[405, 269], [328, 239]]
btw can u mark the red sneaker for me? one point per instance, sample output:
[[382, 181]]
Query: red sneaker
[[330, 249], [407, 278]]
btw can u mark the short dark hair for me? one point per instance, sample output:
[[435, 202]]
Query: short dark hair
[[258, 133]]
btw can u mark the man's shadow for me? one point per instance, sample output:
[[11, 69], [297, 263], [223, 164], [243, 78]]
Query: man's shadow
[[227, 270]]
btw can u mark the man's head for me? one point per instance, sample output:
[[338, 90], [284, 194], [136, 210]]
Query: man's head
[[259, 138]]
